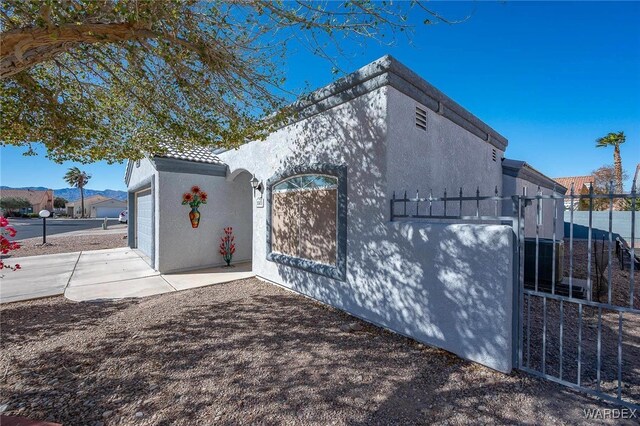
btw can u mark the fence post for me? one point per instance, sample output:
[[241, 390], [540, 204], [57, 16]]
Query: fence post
[[445, 201], [633, 243], [391, 212], [571, 242], [589, 281], [405, 203], [610, 282], [538, 221]]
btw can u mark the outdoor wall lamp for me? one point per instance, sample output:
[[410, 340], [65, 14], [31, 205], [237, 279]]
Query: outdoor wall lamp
[[256, 185]]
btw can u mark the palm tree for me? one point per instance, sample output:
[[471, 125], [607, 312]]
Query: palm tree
[[615, 140], [78, 178]]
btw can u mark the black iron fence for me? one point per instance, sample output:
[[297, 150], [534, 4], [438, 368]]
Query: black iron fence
[[578, 311]]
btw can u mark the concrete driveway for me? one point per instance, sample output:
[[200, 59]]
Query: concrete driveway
[[103, 274]]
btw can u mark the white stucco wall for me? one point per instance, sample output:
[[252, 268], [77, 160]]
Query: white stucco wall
[[181, 247], [443, 284], [178, 246], [445, 156], [141, 172], [515, 185]]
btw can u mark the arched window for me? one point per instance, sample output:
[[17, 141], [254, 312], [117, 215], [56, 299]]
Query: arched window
[[307, 219]]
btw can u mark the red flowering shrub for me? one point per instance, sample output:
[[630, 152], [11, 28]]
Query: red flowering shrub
[[227, 245], [6, 245]]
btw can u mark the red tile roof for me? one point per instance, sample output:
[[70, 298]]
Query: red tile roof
[[579, 182], [33, 196]]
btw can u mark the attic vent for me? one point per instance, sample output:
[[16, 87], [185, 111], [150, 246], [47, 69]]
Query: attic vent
[[421, 118], [493, 155]]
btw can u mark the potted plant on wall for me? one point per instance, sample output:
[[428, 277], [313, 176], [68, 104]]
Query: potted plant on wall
[[194, 199], [227, 245]]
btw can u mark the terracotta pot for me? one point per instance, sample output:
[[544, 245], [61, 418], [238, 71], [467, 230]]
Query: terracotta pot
[[194, 217]]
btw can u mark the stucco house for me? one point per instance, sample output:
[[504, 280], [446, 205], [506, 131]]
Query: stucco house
[[309, 206], [581, 185], [96, 206], [39, 200]]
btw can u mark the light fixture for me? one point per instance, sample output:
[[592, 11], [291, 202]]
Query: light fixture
[[256, 185]]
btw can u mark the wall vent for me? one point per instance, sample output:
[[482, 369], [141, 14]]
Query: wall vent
[[493, 155], [421, 118]]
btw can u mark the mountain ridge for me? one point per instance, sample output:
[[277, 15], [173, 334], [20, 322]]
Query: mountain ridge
[[73, 194]]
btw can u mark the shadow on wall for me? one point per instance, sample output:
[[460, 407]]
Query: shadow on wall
[[447, 285]]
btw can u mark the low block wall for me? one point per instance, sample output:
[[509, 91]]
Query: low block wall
[[447, 285], [620, 225]]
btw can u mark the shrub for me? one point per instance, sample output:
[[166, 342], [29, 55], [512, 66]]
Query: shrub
[[7, 245]]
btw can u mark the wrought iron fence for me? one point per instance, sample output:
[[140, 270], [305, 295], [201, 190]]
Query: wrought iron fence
[[570, 332], [422, 207]]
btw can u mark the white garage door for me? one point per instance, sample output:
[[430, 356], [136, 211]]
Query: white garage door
[[109, 211], [143, 213]]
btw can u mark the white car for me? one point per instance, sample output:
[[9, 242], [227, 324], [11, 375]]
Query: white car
[[124, 217]]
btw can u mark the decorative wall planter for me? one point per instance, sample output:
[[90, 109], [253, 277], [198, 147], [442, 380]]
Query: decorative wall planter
[[194, 199], [194, 217]]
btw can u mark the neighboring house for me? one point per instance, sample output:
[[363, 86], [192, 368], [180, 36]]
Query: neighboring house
[[310, 207], [520, 178], [96, 206], [581, 185], [39, 200]]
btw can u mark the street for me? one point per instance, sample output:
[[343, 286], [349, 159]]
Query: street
[[29, 228]]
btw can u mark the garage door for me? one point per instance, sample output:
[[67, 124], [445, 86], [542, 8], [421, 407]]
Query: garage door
[[144, 225], [109, 211]]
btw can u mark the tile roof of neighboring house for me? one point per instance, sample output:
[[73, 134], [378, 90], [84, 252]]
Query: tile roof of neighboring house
[[89, 200], [33, 196], [197, 154], [578, 181]]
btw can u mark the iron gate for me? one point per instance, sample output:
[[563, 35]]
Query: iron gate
[[584, 330], [580, 328]]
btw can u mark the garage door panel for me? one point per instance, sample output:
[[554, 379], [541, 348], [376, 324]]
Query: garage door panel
[[109, 211], [144, 223]]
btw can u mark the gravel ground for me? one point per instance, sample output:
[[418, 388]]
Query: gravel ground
[[609, 334], [248, 352], [69, 243]]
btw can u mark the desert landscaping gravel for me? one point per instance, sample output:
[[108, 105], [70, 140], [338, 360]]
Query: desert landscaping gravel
[[248, 352], [588, 326], [70, 243]]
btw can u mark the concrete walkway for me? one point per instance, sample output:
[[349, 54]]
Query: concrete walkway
[[103, 274]]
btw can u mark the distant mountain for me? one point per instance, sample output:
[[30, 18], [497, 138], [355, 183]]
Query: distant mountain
[[72, 194]]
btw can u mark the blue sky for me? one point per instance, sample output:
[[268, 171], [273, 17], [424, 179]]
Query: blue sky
[[551, 77]]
